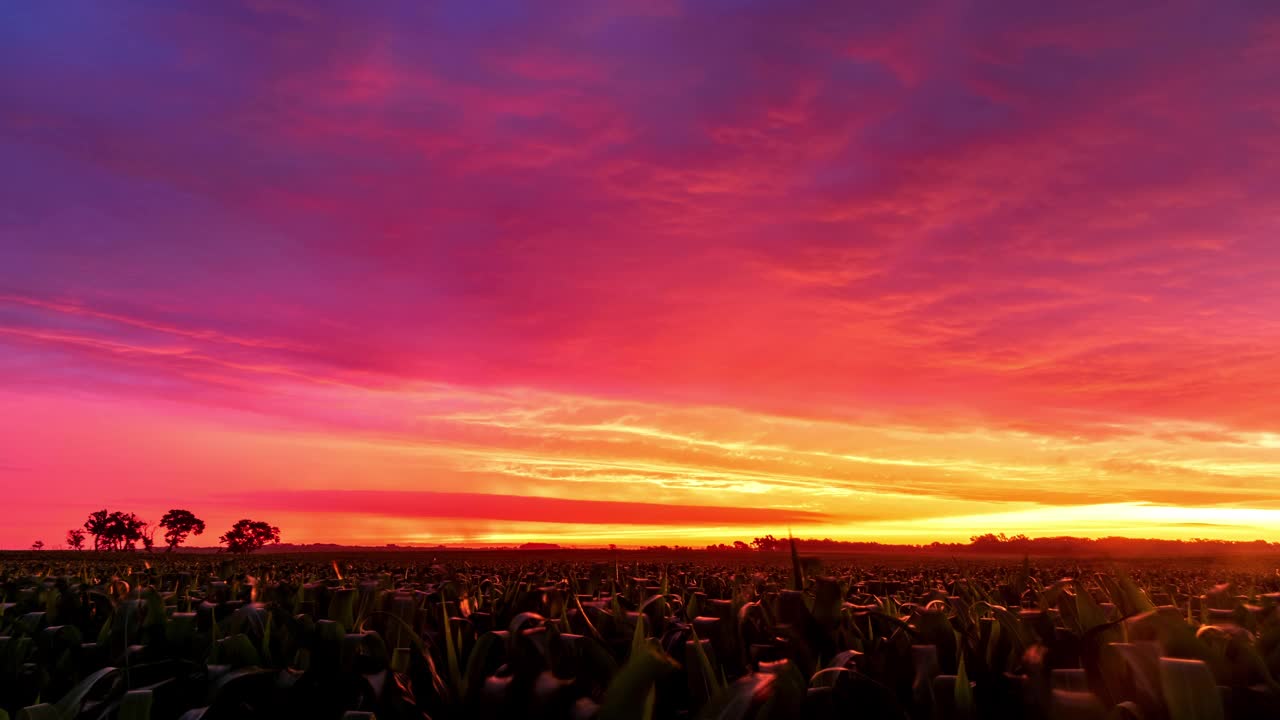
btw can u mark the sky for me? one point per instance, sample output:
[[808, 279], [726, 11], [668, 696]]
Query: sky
[[641, 272]]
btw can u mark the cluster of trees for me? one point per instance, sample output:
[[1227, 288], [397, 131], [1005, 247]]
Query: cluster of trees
[[117, 531], [737, 545], [1067, 545], [125, 531], [765, 544], [1016, 544]]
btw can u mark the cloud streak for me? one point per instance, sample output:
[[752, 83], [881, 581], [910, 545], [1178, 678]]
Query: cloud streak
[[480, 506]]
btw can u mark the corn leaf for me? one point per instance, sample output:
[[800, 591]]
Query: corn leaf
[[1190, 692], [136, 705], [631, 695]]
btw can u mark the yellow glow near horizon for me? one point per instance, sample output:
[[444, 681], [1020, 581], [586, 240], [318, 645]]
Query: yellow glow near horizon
[[864, 480]]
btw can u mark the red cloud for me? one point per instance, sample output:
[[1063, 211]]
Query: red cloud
[[531, 508]]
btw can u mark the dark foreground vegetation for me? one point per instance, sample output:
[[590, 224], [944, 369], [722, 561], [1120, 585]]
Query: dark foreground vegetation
[[765, 635]]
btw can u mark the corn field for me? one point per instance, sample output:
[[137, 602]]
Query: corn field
[[396, 636]]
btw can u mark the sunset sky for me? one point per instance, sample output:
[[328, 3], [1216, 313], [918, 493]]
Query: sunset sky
[[641, 272]]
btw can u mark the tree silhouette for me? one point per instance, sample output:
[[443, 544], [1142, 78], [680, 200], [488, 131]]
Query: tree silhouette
[[114, 531], [766, 543], [75, 539], [97, 526], [125, 530], [249, 535], [988, 540], [37, 545], [178, 524]]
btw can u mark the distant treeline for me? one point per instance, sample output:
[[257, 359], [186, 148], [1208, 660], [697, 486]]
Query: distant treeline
[[118, 531], [1018, 544]]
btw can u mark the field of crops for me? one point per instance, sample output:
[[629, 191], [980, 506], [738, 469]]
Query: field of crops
[[134, 636]]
